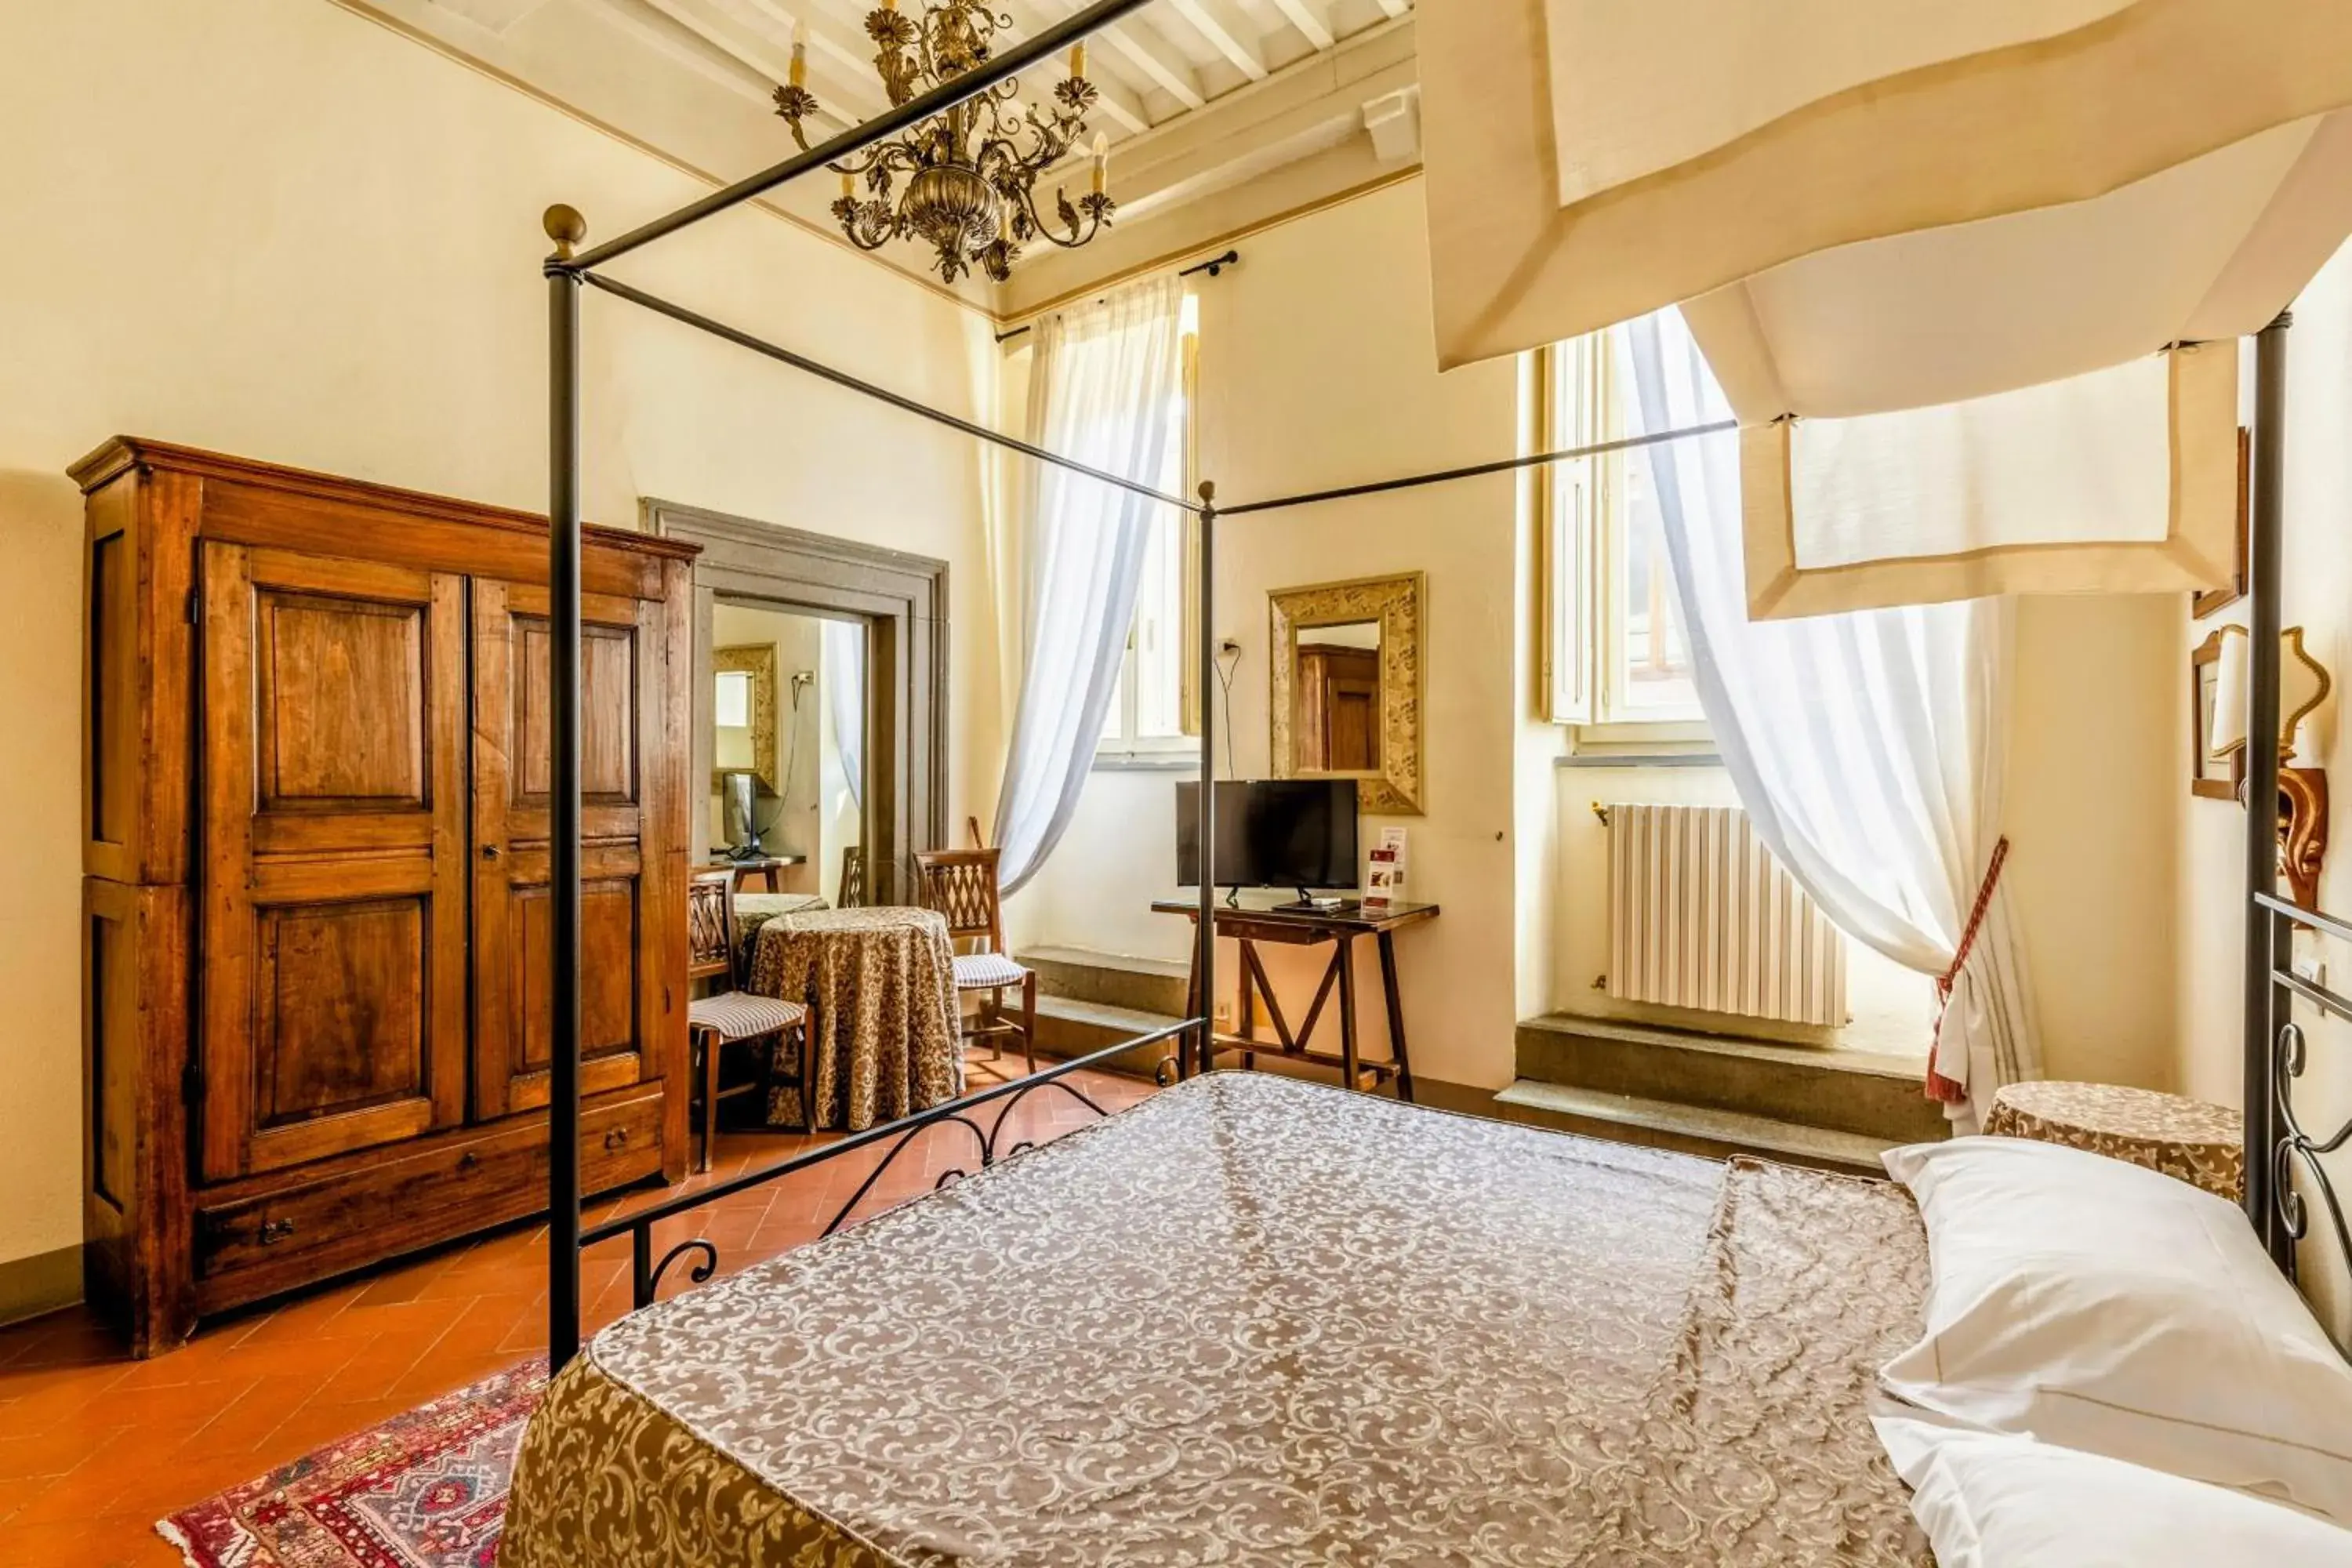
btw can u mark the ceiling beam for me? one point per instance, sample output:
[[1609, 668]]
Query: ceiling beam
[[657, 33], [1312, 18], [1174, 75], [1210, 25], [1393, 8]]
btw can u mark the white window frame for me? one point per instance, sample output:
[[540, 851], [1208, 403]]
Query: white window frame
[[1583, 612], [1121, 746]]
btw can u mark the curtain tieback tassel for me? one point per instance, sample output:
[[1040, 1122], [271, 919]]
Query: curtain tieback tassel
[[1951, 1091]]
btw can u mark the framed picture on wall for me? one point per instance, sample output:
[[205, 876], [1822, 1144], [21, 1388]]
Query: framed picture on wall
[[2213, 599], [2210, 777]]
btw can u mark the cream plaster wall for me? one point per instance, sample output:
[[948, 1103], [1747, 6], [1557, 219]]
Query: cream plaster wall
[[2317, 596], [275, 228]]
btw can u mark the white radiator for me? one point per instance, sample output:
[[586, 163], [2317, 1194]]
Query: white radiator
[[1701, 916]]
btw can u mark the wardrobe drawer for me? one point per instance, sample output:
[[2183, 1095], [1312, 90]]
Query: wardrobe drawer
[[257, 1244]]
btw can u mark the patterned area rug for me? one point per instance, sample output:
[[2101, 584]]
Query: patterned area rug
[[426, 1490]]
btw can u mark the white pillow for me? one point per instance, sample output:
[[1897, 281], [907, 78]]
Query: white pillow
[[1986, 1501], [2089, 1302]]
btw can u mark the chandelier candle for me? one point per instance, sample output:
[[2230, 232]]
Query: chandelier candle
[[963, 182]]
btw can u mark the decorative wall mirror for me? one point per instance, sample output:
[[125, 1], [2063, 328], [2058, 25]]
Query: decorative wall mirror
[[744, 705], [1346, 687]]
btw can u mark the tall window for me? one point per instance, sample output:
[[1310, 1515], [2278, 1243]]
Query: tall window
[[1155, 711], [1615, 650]]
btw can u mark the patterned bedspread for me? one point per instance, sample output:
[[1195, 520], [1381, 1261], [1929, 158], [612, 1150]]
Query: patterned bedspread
[[1259, 1322]]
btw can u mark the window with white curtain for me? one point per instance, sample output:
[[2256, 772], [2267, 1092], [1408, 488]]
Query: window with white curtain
[[1153, 714], [1617, 660]]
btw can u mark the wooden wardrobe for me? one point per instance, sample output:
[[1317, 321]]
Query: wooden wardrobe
[[316, 1021]]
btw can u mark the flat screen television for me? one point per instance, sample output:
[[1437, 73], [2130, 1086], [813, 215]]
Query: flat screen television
[[1272, 833]]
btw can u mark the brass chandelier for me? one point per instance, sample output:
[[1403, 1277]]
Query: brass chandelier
[[970, 174]]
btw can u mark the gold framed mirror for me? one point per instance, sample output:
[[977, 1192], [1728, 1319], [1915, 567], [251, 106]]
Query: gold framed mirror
[[743, 734], [1345, 687]]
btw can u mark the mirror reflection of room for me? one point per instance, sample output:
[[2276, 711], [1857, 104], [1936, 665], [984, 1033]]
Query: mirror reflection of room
[[788, 752], [1337, 698]]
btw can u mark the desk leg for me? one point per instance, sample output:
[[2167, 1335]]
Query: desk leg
[[1192, 1041], [1396, 1016], [774, 886], [1346, 960], [1244, 1025]]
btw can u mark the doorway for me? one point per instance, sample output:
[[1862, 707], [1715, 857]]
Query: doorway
[[898, 602]]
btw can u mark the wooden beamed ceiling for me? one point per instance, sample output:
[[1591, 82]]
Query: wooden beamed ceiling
[[1223, 114], [1171, 59]]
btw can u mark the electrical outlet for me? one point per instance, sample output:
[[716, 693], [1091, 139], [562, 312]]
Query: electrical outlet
[[2312, 971], [1224, 1015]]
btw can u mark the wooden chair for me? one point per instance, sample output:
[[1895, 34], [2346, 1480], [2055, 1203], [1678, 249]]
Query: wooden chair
[[851, 894], [961, 884], [719, 1020]]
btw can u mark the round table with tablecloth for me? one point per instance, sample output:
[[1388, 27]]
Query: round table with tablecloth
[[2204, 1145], [880, 986]]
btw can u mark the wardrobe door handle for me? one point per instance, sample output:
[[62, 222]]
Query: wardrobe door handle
[[490, 851]]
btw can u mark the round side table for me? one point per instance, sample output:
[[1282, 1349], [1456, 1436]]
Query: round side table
[[2202, 1144]]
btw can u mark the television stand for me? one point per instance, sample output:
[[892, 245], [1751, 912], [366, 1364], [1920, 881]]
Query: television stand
[[1251, 927]]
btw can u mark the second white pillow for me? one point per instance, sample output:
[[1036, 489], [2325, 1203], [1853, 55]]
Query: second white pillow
[[1988, 1500], [2089, 1302]]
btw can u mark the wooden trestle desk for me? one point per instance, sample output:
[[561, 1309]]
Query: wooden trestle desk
[[1309, 928]]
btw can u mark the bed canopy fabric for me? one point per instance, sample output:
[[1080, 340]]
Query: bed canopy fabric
[[1935, 255]]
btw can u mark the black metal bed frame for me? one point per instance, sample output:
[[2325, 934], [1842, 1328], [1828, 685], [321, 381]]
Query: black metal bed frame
[[2274, 1047], [639, 1224]]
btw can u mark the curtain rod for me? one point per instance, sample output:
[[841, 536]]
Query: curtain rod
[[1214, 267], [842, 378], [1500, 466], [1052, 42]]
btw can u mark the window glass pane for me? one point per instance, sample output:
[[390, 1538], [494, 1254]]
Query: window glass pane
[[1652, 663], [1159, 634], [1114, 727]]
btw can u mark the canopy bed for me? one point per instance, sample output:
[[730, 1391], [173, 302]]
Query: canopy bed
[[1131, 1304]]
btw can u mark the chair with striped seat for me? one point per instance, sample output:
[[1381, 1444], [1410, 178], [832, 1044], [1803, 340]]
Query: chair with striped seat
[[729, 1016], [961, 884]]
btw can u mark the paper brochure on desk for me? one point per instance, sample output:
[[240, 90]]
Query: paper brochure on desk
[[1386, 883]]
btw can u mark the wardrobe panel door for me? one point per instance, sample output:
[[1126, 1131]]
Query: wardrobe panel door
[[334, 931], [621, 973]]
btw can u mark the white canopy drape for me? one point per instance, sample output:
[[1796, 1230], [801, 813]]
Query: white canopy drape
[[1105, 389], [1868, 747], [1931, 250]]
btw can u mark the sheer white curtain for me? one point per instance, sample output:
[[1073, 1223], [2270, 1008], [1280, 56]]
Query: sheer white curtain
[[1106, 389], [844, 645], [1868, 746]]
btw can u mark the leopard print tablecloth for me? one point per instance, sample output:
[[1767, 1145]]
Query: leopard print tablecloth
[[2202, 1144], [880, 982]]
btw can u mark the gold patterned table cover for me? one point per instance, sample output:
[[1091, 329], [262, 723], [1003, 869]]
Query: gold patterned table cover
[[754, 911], [1256, 1322], [880, 982], [2202, 1144]]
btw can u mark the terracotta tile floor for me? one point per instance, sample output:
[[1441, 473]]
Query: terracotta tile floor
[[95, 1447]]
